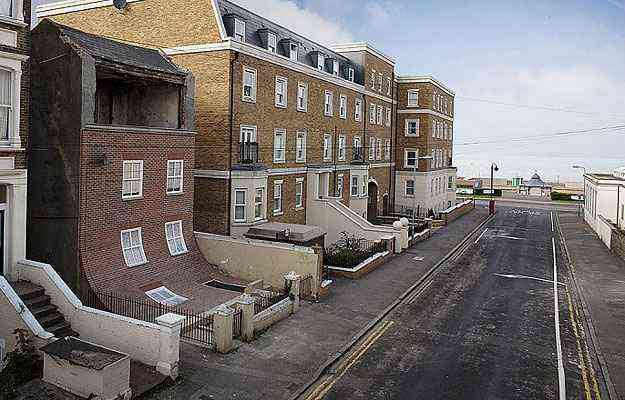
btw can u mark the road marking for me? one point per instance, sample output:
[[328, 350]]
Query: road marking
[[418, 258], [511, 276], [414, 297], [580, 354], [323, 389], [561, 379], [478, 239], [510, 237], [552, 222]]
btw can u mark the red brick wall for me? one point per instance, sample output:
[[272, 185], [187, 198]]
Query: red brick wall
[[211, 205], [103, 213]]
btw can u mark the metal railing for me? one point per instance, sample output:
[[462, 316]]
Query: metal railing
[[196, 327], [263, 301], [358, 153], [353, 254], [248, 152], [237, 321]]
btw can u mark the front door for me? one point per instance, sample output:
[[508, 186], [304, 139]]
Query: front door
[[372, 204]]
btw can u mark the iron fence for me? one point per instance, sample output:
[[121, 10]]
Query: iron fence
[[248, 152], [237, 319], [263, 301], [351, 253], [195, 327], [305, 288]]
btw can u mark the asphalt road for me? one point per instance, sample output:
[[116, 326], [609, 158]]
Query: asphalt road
[[485, 328]]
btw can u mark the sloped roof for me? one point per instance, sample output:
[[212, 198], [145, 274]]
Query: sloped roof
[[536, 181], [105, 49]]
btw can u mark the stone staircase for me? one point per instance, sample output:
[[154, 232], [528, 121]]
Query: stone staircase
[[47, 314]]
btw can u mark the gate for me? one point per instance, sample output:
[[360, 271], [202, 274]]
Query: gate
[[237, 319], [305, 288]]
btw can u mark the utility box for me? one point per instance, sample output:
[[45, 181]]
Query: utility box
[[87, 370], [491, 207]]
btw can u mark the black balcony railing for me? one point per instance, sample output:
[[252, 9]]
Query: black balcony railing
[[358, 154], [248, 153]]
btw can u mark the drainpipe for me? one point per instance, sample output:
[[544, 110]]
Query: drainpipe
[[391, 170], [231, 118]]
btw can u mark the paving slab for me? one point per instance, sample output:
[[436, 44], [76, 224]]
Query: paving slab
[[290, 352], [601, 278]]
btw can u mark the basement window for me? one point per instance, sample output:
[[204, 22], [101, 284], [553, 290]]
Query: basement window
[[226, 286], [165, 296]]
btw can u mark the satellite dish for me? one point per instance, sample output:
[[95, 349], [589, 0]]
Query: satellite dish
[[120, 4]]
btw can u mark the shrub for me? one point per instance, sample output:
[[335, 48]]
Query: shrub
[[560, 196], [350, 250], [20, 365]]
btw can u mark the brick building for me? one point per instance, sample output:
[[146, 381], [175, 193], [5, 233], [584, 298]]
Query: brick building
[[425, 120], [14, 120], [111, 199], [282, 121]]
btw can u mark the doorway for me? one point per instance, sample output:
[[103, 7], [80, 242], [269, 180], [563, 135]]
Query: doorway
[[372, 203]]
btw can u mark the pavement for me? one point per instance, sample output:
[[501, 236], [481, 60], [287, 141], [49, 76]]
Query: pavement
[[289, 354], [601, 279], [485, 327]]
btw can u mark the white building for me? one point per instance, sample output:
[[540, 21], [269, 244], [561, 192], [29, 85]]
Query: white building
[[605, 200]]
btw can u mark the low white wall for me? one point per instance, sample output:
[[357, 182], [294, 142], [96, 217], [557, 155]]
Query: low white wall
[[604, 230], [15, 315], [142, 341], [251, 260], [334, 217], [273, 314]]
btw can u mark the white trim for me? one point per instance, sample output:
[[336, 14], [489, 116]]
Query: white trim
[[20, 309], [361, 46], [425, 79], [285, 100], [274, 58], [429, 112], [168, 239], [140, 245], [132, 196], [11, 37], [252, 98], [220, 22], [173, 299], [68, 6], [13, 21], [173, 177], [211, 173], [406, 127]]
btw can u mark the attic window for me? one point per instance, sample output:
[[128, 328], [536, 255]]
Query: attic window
[[272, 42], [350, 74], [293, 51], [165, 296], [335, 67], [320, 61], [239, 29]]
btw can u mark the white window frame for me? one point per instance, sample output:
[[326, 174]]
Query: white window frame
[[380, 80], [321, 62], [387, 149], [371, 148], [173, 242], [133, 246], [335, 67], [378, 149], [450, 182], [164, 296], [259, 205], [407, 158], [300, 150], [299, 191], [372, 109], [433, 124], [339, 186], [388, 81], [364, 184], [327, 147], [175, 177], [293, 51], [14, 67], [328, 103], [350, 74], [132, 179], [357, 110], [373, 79], [238, 33], [302, 94], [279, 150], [380, 114], [252, 97], [354, 186], [341, 144], [409, 102], [343, 106], [17, 14], [388, 116], [407, 186], [247, 134], [272, 42], [236, 205], [407, 127], [283, 82], [277, 197]]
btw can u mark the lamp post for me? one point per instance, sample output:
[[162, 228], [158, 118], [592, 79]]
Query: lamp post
[[414, 185], [493, 168], [583, 183]]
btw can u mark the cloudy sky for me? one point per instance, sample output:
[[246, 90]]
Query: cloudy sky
[[523, 71]]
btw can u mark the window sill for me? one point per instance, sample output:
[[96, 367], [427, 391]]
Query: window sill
[[174, 194], [179, 254], [299, 208], [279, 161], [248, 100], [283, 106], [12, 149], [300, 161], [12, 21], [302, 110], [277, 214], [130, 198], [137, 265]]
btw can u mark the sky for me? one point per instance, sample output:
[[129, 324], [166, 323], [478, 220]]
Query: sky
[[524, 72]]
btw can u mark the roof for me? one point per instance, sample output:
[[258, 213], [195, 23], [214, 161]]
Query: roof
[[105, 49], [426, 79], [362, 46], [535, 181]]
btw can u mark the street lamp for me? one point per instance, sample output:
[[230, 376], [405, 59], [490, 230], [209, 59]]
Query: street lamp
[[583, 182], [493, 168], [414, 185]]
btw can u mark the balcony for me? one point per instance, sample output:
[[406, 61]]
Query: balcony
[[248, 153], [450, 162], [358, 154]]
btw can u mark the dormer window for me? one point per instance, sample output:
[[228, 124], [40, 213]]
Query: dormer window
[[239, 29], [321, 60], [350, 74], [293, 51], [335, 68], [272, 42]]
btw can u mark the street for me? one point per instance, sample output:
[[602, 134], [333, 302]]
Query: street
[[484, 328]]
